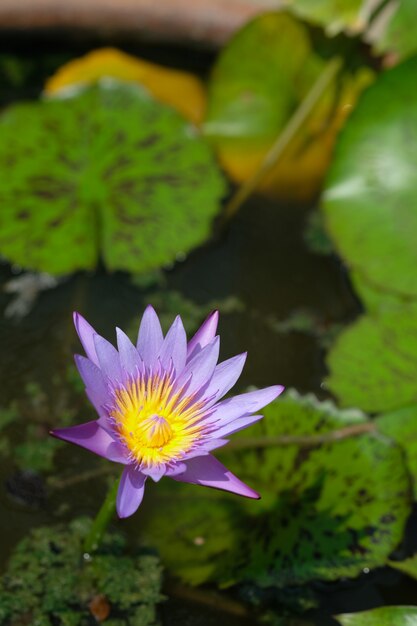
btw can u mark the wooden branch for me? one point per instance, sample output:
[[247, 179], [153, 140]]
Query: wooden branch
[[206, 22]]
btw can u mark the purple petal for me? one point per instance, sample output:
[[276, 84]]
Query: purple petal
[[86, 334], [204, 335], [238, 424], [155, 471], [92, 437], [130, 493], [128, 354], [174, 347], [93, 380], [241, 405], [200, 367], [150, 336], [176, 468], [108, 358], [209, 472], [224, 377]]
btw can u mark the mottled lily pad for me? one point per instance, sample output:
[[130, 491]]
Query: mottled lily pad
[[370, 197], [110, 174], [327, 511], [384, 616], [46, 581], [401, 427], [373, 363]]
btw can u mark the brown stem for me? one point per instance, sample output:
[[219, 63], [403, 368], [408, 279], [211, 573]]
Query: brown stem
[[304, 441]]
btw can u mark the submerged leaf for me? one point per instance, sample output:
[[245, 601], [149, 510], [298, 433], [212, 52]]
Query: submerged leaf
[[373, 363], [259, 79], [110, 173], [327, 510], [181, 90], [384, 616], [370, 196]]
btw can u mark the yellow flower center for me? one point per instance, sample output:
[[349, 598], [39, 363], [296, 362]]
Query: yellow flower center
[[156, 424]]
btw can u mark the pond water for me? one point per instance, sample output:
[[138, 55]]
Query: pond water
[[261, 261]]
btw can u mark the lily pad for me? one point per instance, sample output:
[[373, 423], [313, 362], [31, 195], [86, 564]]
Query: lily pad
[[335, 15], [259, 79], [328, 510], [181, 90], [373, 363], [369, 201], [399, 38], [110, 174], [408, 566], [46, 581], [401, 427], [384, 616]]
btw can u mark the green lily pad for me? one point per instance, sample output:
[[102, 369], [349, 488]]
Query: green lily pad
[[376, 299], [335, 15], [399, 37], [327, 511], [373, 363], [109, 173], [258, 81], [371, 190], [408, 566], [401, 427], [384, 616], [46, 581]]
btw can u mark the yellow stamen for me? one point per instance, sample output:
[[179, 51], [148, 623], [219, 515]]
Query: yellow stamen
[[156, 424]]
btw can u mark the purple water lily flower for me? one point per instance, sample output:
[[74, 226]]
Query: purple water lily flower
[[158, 406]]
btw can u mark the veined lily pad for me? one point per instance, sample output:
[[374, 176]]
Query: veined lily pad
[[373, 363], [110, 173], [370, 198], [258, 81], [384, 616], [327, 510]]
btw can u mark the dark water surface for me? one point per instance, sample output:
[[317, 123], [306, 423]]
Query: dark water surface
[[261, 260]]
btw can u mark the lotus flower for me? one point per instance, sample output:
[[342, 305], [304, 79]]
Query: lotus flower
[[158, 406]]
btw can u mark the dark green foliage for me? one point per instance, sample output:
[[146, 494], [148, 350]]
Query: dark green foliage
[[48, 583]]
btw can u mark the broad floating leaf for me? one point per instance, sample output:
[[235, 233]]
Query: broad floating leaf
[[110, 173], [384, 616], [401, 427], [399, 37], [373, 363], [327, 510], [370, 198], [181, 90], [335, 15], [408, 566], [258, 81]]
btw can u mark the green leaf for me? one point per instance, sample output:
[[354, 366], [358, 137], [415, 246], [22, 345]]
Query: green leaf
[[377, 299], [401, 426], [408, 566], [371, 191], [335, 15], [47, 582], [327, 510], [384, 616], [373, 363], [258, 81], [108, 173], [398, 37]]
